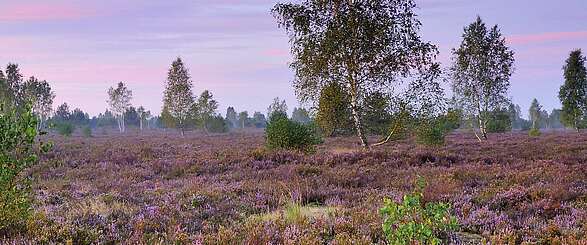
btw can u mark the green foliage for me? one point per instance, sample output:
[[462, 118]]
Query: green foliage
[[216, 124], [65, 129], [431, 133], [334, 115], [301, 115], [178, 99], [356, 45], [259, 120], [243, 119], [17, 152], [231, 117], [167, 120], [534, 132], [413, 222], [283, 133], [534, 112], [119, 98], [499, 122], [204, 109], [453, 119], [277, 107], [573, 93], [481, 71], [376, 114], [87, 132]]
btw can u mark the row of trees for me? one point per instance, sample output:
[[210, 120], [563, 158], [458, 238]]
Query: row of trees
[[137, 117], [363, 64], [182, 110], [17, 93]]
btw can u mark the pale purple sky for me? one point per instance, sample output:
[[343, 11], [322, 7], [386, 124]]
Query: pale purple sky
[[234, 48]]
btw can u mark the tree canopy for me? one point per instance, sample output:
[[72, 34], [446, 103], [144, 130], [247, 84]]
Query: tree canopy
[[178, 99], [363, 45], [119, 101], [481, 71], [573, 93]]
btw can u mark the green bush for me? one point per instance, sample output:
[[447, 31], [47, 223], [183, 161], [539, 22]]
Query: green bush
[[412, 222], [283, 133], [17, 152], [499, 122], [65, 129], [216, 124], [534, 132], [431, 133], [87, 132]]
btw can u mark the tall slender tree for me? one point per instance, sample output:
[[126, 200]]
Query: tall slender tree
[[205, 108], [14, 82], [362, 45], [573, 93], [535, 113], [231, 116], [62, 113], [144, 115], [481, 71], [178, 97], [119, 101], [242, 118]]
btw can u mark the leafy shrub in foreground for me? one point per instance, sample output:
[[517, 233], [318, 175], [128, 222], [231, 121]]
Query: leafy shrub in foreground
[[411, 221], [283, 133], [65, 129], [16, 154]]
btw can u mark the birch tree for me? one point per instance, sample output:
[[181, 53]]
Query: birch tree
[[535, 113], [39, 95], [277, 106], [144, 115], [178, 97], [362, 45], [119, 101], [205, 108], [481, 71]]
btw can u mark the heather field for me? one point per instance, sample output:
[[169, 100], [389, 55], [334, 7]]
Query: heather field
[[225, 189]]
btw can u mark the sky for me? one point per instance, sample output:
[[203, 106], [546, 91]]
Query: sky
[[236, 50]]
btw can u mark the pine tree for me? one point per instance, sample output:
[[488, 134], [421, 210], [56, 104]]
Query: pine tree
[[573, 93]]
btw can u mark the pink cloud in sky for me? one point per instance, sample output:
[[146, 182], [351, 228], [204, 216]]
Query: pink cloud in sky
[[275, 52], [41, 11], [546, 37]]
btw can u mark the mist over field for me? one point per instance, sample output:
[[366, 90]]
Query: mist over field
[[293, 122]]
